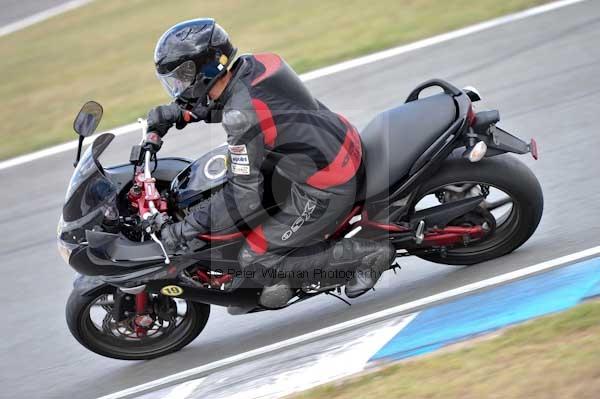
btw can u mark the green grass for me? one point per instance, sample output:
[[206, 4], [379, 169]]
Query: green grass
[[103, 51], [552, 357]]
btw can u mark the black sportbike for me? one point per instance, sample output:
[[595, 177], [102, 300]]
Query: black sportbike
[[439, 185]]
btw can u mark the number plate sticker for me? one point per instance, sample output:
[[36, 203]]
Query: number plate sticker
[[171, 290]]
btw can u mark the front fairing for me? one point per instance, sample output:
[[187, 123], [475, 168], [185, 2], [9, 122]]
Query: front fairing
[[92, 250], [90, 197]]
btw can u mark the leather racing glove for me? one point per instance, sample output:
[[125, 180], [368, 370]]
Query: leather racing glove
[[176, 235], [152, 142], [162, 118]]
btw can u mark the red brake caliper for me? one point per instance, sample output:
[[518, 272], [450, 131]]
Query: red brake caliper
[[142, 321]]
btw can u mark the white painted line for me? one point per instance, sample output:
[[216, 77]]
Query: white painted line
[[41, 16], [469, 30], [71, 145], [335, 363], [184, 390], [383, 314], [343, 66]]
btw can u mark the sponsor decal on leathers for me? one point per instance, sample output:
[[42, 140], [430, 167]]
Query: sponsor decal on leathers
[[238, 149], [309, 208], [240, 159], [240, 169]]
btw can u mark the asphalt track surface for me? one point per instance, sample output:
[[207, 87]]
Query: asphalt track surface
[[15, 10], [540, 72]]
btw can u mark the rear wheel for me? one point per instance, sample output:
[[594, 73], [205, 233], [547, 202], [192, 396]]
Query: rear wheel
[[511, 212], [171, 324]]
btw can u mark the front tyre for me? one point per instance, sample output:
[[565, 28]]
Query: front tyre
[[91, 320], [503, 173]]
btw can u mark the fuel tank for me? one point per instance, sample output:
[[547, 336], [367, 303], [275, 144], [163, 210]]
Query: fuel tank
[[195, 183]]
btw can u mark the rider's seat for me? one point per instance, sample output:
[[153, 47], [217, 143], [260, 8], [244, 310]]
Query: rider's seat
[[395, 139]]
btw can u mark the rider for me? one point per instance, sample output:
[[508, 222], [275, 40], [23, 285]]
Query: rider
[[268, 114]]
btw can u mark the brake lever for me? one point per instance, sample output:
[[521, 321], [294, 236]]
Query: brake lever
[[152, 234], [162, 247]]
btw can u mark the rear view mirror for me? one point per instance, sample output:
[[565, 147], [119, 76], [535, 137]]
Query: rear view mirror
[[88, 119], [86, 122]]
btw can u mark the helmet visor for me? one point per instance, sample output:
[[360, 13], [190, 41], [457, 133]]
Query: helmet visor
[[179, 79]]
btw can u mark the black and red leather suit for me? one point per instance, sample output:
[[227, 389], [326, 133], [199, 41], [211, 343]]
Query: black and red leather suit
[[269, 114]]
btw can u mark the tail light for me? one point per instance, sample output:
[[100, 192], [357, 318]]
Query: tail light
[[534, 149], [471, 117]]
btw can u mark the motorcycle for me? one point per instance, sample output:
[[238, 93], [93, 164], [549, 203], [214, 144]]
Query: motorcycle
[[440, 185]]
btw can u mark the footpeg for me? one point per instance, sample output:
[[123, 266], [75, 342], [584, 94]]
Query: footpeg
[[420, 232]]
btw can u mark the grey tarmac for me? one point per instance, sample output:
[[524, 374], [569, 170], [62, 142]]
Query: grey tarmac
[[541, 73]]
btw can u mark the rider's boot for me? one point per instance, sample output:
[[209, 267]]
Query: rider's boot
[[276, 295], [364, 260], [375, 258], [298, 267], [359, 260]]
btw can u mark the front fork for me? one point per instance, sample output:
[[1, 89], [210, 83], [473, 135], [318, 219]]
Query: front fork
[[142, 319], [141, 302]]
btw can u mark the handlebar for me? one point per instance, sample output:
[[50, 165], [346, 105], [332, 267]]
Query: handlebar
[[144, 124], [148, 177]]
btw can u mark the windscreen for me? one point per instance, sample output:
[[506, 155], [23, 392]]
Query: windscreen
[[89, 189]]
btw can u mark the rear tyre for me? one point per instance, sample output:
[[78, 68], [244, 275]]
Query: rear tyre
[[507, 174], [106, 341]]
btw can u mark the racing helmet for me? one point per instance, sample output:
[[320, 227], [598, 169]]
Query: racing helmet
[[191, 56]]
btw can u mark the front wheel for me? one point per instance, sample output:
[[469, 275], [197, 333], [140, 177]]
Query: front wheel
[[512, 209], [103, 324]]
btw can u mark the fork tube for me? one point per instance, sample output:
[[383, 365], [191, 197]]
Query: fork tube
[[141, 302]]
